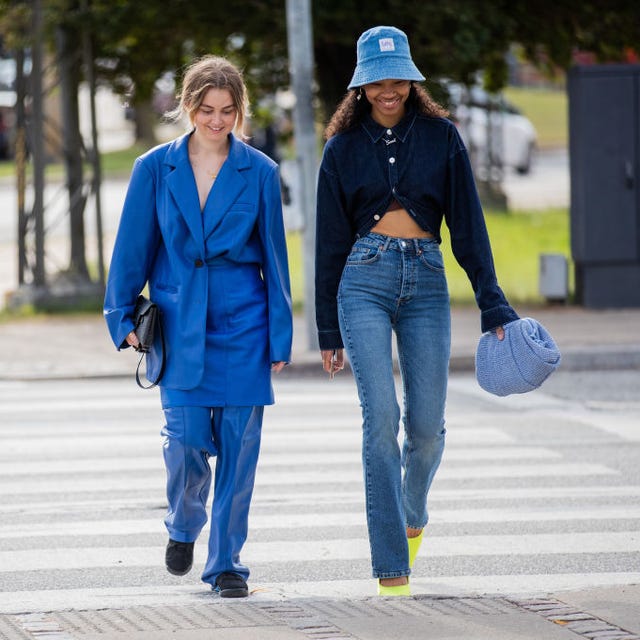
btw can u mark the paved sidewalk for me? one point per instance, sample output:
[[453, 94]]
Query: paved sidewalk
[[596, 614], [79, 346]]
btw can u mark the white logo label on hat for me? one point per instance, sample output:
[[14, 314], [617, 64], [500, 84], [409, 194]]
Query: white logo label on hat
[[386, 44]]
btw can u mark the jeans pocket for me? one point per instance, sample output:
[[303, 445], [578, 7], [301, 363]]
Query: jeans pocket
[[432, 259], [362, 255]]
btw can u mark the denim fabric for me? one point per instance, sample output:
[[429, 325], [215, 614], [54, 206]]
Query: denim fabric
[[393, 285], [192, 435], [423, 164], [383, 52]]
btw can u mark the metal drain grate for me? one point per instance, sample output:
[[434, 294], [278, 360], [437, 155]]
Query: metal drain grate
[[581, 623]]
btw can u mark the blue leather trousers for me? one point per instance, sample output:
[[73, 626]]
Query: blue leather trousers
[[191, 436]]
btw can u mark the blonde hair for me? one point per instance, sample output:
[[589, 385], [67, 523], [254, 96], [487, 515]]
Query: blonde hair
[[212, 72]]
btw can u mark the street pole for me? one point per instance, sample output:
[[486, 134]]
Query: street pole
[[300, 45], [21, 165], [37, 143]]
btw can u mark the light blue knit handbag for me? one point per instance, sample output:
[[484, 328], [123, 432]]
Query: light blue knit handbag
[[521, 362]]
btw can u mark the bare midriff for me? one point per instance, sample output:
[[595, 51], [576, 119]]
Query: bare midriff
[[397, 223]]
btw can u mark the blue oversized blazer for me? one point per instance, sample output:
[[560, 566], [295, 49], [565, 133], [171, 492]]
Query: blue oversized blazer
[[164, 239]]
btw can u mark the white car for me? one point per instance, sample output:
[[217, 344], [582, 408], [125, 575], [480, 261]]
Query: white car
[[481, 117]]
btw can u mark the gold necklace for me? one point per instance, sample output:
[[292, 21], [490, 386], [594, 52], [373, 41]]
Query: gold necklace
[[212, 174]]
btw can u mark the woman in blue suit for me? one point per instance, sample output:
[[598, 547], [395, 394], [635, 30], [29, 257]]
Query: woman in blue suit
[[202, 225]]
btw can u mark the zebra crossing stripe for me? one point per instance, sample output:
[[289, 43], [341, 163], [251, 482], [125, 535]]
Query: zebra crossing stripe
[[262, 497], [320, 550], [287, 477], [354, 517]]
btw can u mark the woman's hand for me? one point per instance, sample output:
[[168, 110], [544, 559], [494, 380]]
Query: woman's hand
[[332, 360], [277, 367], [132, 340], [500, 333]]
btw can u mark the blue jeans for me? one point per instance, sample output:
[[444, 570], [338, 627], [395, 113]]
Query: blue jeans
[[391, 284]]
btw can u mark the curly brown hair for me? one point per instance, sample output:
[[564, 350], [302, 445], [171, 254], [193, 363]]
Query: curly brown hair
[[352, 110]]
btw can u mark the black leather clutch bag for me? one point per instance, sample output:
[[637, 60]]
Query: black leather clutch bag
[[146, 317], [148, 325]]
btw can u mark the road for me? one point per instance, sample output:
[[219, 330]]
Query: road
[[546, 186], [537, 493]]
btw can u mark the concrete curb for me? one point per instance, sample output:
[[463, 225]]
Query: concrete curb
[[621, 358], [71, 347]]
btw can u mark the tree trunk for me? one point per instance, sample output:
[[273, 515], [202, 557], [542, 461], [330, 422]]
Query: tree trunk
[[68, 44], [145, 121]]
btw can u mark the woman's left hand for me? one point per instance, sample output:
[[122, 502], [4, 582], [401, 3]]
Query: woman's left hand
[[500, 333], [277, 367], [132, 340]]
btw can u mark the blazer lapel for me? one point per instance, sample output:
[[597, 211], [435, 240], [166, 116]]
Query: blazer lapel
[[182, 185], [228, 186]]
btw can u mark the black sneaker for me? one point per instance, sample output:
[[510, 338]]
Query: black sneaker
[[179, 557], [231, 585]]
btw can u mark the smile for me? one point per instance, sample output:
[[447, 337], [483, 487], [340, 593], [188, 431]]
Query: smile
[[389, 102]]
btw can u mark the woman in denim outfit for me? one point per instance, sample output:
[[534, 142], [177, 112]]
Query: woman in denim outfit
[[393, 167]]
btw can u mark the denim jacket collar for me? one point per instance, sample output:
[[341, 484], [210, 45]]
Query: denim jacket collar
[[375, 130]]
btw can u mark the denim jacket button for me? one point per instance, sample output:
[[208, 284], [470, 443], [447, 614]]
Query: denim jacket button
[[389, 132], [376, 217], [392, 160]]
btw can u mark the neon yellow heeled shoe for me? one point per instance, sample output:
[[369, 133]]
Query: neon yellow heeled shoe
[[414, 545], [397, 590]]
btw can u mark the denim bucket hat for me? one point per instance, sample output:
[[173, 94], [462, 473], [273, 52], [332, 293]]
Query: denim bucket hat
[[383, 54], [521, 362]]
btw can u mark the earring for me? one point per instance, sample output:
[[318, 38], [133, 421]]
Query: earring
[[359, 94]]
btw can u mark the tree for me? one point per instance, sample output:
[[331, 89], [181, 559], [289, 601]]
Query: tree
[[136, 42], [459, 38]]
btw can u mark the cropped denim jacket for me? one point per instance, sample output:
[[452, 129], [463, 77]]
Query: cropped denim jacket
[[423, 164]]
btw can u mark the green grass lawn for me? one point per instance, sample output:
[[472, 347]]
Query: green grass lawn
[[114, 163], [120, 163], [517, 241], [547, 110]]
